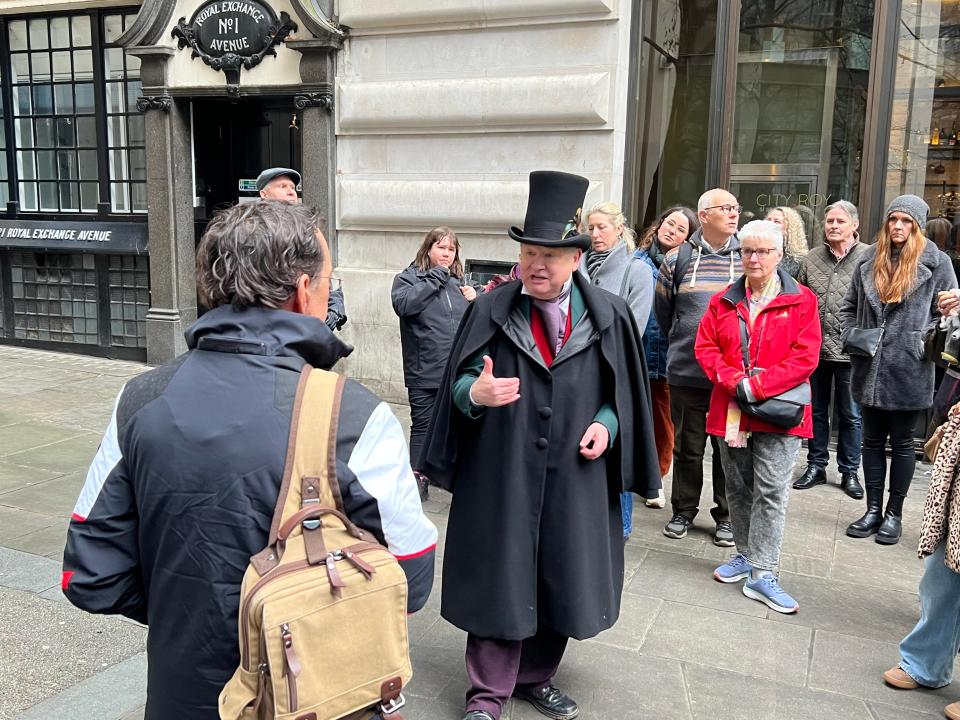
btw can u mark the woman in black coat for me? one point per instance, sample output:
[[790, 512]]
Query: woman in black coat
[[895, 286], [429, 297]]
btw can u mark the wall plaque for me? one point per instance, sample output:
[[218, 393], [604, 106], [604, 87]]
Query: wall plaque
[[232, 34]]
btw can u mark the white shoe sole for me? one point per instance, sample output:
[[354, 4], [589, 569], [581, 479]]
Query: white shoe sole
[[656, 503], [732, 578], [754, 595]]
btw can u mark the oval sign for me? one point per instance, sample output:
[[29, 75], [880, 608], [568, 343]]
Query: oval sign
[[242, 27]]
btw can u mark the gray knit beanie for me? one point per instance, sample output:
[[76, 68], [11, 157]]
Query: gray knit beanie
[[913, 206]]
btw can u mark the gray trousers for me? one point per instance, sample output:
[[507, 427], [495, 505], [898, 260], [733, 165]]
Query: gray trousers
[[758, 487]]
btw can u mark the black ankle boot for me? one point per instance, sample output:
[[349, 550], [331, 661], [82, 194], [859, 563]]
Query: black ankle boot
[[889, 532], [870, 522], [890, 528]]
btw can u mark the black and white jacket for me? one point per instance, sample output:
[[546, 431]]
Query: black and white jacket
[[182, 490]]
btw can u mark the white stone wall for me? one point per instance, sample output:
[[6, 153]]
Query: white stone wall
[[443, 107], [43, 6]]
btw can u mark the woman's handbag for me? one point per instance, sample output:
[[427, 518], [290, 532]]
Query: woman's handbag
[[864, 342], [784, 410]]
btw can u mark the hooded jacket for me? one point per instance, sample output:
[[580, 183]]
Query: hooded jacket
[[784, 346], [429, 305], [709, 272], [182, 491], [897, 377]]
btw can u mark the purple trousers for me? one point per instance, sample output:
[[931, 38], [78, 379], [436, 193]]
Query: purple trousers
[[496, 668]]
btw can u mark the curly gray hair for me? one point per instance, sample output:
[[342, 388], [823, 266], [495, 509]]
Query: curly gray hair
[[253, 254]]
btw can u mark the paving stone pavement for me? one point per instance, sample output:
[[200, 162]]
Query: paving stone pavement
[[685, 647]]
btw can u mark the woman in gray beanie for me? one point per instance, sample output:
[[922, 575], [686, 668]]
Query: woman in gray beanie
[[895, 288]]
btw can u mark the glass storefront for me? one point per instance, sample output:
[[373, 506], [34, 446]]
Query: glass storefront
[[73, 184], [794, 89], [924, 156], [800, 106]]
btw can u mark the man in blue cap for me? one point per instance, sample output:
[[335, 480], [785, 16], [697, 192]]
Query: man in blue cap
[[541, 420], [280, 183]]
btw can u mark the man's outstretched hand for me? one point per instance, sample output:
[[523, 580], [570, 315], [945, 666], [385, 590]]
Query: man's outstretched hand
[[490, 391], [594, 441]]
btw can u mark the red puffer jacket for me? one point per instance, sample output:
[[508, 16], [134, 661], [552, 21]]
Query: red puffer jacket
[[784, 344]]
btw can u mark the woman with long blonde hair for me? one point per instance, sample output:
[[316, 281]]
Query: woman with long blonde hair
[[894, 290], [794, 238]]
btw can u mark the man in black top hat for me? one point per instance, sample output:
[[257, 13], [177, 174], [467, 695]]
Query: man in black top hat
[[280, 183], [541, 420]]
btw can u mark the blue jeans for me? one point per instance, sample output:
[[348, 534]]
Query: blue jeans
[[626, 510], [928, 651], [834, 375]]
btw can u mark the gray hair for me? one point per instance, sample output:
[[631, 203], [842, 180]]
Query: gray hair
[[846, 206], [762, 230], [253, 254]]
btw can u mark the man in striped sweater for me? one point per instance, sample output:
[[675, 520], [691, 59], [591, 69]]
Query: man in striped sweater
[[704, 265]]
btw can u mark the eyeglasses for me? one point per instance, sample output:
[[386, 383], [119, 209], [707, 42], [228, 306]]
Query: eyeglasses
[[726, 208], [761, 253], [335, 283]]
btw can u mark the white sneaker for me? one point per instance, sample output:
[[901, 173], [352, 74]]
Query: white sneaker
[[658, 502]]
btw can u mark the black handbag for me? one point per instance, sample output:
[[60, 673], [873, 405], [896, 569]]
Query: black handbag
[[784, 410], [864, 342]]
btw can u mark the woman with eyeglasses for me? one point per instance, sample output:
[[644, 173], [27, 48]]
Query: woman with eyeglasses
[[891, 300], [758, 339], [673, 227], [429, 297]]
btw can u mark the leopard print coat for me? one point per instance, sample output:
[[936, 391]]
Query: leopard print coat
[[941, 512]]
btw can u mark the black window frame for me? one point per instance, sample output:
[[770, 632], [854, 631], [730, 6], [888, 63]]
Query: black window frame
[[101, 115]]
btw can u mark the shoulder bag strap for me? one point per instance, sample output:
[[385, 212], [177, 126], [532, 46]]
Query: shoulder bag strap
[[744, 343], [626, 275]]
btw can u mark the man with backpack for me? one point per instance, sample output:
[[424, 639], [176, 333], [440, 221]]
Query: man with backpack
[[182, 491], [706, 263]]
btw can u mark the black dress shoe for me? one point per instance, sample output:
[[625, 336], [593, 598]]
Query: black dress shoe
[[550, 702], [850, 484], [813, 475], [478, 715]]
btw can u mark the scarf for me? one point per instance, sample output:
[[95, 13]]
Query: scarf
[[594, 261], [756, 301], [553, 316]]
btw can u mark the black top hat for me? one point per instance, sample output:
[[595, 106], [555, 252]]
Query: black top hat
[[553, 211]]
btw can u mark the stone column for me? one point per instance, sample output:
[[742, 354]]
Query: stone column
[[173, 292], [319, 139]]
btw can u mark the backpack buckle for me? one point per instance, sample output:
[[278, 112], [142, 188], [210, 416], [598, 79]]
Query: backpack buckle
[[313, 523], [389, 707]]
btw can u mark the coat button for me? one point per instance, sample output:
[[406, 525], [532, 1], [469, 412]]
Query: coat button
[[542, 443], [545, 413]]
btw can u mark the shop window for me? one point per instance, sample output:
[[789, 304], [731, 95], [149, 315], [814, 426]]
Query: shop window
[[52, 80], [54, 297], [129, 300], [125, 125], [924, 151], [54, 74], [800, 106]]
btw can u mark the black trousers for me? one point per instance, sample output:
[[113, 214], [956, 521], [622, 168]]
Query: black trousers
[[421, 408], [688, 408], [899, 427]]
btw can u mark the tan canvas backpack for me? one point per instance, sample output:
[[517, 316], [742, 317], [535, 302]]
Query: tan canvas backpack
[[323, 627]]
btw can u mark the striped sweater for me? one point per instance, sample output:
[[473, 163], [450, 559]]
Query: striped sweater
[[709, 272]]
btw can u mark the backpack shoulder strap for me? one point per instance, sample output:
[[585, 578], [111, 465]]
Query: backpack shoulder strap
[[684, 254], [310, 471]]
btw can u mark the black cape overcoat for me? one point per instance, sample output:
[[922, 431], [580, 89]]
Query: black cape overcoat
[[535, 535]]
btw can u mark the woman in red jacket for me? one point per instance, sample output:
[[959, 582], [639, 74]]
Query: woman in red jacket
[[783, 328]]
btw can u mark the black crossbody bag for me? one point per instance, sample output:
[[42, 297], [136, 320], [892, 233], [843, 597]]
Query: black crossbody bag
[[784, 410]]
